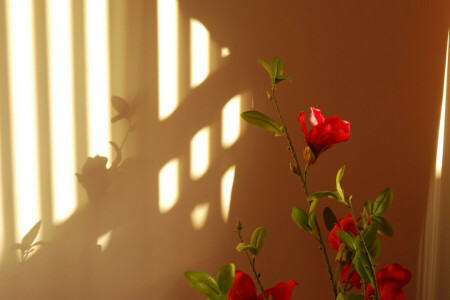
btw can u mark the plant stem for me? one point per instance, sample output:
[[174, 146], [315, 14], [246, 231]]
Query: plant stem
[[372, 268], [125, 138], [350, 270], [303, 180], [252, 264]]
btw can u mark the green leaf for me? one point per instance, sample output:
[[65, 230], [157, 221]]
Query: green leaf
[[258, 238], [374, 248], [225, 278], [241, 247], [329, 218], [277, 67], [29, 238], [384, 227], [202, 283], [261, 120], [362, 266], [266, 66], [314, 198], [300, 218], [383, 201], [339, 189], [347, 239], [312, 220], [353, 296], [281, 78], [369, 206]]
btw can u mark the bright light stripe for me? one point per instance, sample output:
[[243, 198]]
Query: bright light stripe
[[440, 145], [199, 53], [21, 67], [200, 153], [199, 215], [231, 121], [168, 186], [2, 218], [60, 57], [98, 94], [104, 240], [168, 57], [225, 192]]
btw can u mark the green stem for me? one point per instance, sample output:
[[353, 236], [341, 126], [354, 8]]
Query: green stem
[[348, 278], [303, 179], [366, 250], [252, 264]]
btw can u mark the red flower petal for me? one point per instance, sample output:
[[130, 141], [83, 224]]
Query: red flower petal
[[243, 287], [354, 279], [301, 119], [281, 291], [345, 224], [316, 116], [390, 282]]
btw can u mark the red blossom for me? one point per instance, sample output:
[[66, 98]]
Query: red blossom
[[354, 279], [390, 283], [244, 289], [324, 134], [345, 224]]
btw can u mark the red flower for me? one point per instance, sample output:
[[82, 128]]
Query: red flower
[[244, 289], [390, 283], [354, 279], [345, 224], [324, 134]]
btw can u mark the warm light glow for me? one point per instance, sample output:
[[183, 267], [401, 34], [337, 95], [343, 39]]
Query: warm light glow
[[168, 186], [60, 58], [231, 121], [168, 57], [199, 53], [199, 215], [2, 223], [200, 153], [22, 85], [224, 52], [104, 240], [97, 72], [225, 192], [440, 146]]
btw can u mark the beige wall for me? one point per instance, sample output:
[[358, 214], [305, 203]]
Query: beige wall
[[377, 64]]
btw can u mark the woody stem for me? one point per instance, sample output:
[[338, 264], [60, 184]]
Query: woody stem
[[303, 180]]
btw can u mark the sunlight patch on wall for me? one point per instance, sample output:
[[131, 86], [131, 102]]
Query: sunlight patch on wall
[[104, 240], [2, 218], [224, 52], [61, 107], [168, 185], [199, 53], [200, 153], [19, 15], [225, 192], [97, 73], [167, 57], [199, 215], [231, 121], [440, 145]]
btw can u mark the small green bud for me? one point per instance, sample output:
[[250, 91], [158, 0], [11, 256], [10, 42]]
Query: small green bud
[[293, 169], [343, 254], [309, 156], [238, 224]]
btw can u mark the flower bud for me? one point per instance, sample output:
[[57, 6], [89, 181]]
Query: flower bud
[[343, 254], [309, 156], [238, 224]]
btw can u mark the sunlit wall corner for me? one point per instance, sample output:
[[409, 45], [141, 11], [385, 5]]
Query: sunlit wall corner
[[231, 121], [226, 189], [97, 74], [200, 52], [21, 73], [167, 15], [199, 215], [200, 156], [2, 218], [169, 185], [60, 59]]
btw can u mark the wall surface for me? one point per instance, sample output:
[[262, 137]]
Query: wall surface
[[377, 64]]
